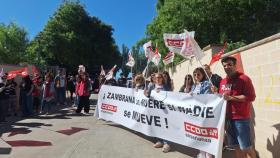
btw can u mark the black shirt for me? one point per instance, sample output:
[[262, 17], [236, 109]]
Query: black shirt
[[216, 79], [5, 93]]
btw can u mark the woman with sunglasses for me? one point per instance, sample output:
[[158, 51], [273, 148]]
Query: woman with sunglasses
[[139, 82], [159, 85], [188, 83], [201, 86], [168, 81]]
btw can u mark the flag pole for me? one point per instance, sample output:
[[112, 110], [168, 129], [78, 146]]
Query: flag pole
[[146, 73], [131, 77], [172, 67]]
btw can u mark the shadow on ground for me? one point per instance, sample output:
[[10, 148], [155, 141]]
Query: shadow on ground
[[13, 125], [175, 147]]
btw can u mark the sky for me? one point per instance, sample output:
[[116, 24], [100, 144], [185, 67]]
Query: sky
[[129, 18]]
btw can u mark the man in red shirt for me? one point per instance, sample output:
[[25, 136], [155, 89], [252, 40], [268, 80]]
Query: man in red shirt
[[239, 92]]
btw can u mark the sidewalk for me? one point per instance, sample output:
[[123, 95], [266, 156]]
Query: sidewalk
[[64, 134]]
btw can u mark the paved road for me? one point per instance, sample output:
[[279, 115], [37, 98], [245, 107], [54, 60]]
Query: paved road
[[64, 134]]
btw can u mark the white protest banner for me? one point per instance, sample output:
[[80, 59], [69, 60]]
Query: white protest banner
[[196, 121]]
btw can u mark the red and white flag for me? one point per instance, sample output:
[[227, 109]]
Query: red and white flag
[[110, 74], [131, 61], [102, 71], [197, 51], [156, 58], [24, 72], [11, 75], [218, 55], [148, 51], [35, 70], [183, 44], [168, 58]]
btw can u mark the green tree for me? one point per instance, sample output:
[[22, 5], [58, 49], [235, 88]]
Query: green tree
[[13, 42], [72, 37], [215, 21]]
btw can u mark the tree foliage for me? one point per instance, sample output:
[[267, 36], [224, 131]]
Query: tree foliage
[[72, 37], [13, 42], [215, 21]]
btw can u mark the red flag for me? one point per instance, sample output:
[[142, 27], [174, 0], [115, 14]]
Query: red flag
[[24, 72], [218, 55], [13, 74], [35, 70]]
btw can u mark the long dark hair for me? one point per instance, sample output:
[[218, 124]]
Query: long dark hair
[[188, 76], [168, 81], [200, 69]]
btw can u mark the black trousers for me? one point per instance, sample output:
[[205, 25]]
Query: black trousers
[[83, 103], [4, 105]]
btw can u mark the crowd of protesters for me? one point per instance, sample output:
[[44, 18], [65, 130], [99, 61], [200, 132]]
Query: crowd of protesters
[[37, 96], [236, 88]]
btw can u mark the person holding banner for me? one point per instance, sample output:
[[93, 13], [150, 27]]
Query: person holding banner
[[168, 81], [239, 92], [159, 85], [201, 86], [215, 79], [139, 82], [188, 83]]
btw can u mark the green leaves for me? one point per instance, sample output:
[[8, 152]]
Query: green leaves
[[13, 42], [215, 21], [72, 37]]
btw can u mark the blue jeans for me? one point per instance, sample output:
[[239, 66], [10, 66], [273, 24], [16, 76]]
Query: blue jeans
[[47, 105], [26, 102], [163, 141], [239, 133], [77, 100], [60, 95]]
